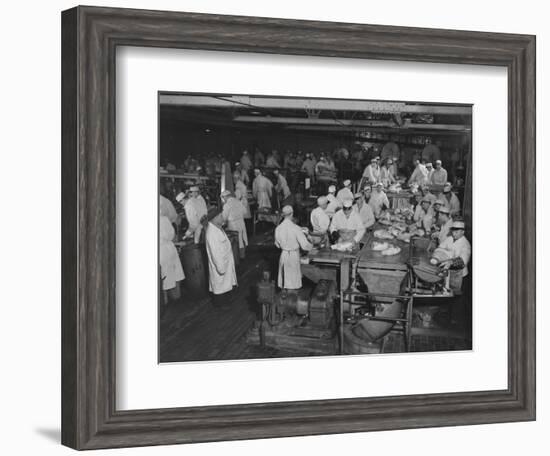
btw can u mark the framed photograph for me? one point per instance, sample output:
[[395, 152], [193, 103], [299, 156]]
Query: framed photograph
[[280, 228]]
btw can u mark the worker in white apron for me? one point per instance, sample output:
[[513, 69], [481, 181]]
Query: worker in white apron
[[233, 215], [290, 238]]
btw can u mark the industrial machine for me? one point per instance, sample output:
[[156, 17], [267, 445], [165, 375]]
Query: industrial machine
[[301, 321]]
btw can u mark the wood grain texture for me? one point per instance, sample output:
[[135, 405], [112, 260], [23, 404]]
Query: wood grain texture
[[89, 40]]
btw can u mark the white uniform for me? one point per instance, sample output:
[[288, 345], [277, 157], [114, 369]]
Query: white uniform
[[167, 209], [386, 176], [459, 248], [290, 238], [419, 175], [333, 205], [320, 221], [444, 231], [344, 194], [195, 209], [438, 176], [353, 222], [262, 189], [282, 186], [170, 264], [244, 176], [453, 204], [246, 163], [366, 214], [221, 264], [233, 215], [377, 201], [372, 174], [241, 193]]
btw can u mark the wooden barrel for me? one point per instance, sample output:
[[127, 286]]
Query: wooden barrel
[[194, 263], [234, 238]]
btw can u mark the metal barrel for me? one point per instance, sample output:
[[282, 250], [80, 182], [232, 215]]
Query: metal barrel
[[194, 263]]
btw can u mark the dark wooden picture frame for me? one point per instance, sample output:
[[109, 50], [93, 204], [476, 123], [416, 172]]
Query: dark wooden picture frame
[[90, 36]]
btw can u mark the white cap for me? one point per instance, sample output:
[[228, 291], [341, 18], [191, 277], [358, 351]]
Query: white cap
[[225, 193], [238, 164], [429, 165], [458, 225], [194, 188], [347, 203], [332, 189], [180, 197], [440, 202], [379, 184], [444, 209], [347, 183], [322, 200], [287, 210], [447, 187], [438, 162]]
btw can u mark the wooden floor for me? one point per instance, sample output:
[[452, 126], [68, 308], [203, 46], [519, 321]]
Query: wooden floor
[[192, 329]]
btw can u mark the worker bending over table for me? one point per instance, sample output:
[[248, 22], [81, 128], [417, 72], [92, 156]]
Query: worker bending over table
[[346, 224], [320, 221]]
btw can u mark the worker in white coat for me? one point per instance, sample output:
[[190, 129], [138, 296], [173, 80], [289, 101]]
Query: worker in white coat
[[378, 200], [438, 175], [444, 222], [290, 238], [460, 251], [387, 176], [364, 210], [345, 193], [423, 214], [420, 174], [371, 174], [167, 209], [450, 199], [245, 161], [241, 193], [333, 203], [347, 220], [222, 276], [320, 221], [262, 189], [242, 172], [233, 217], [171, 271], [195, 209], [282, 188]]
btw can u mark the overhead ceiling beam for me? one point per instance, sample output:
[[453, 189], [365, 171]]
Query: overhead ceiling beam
[[256, 102], [314, 121], [343, 123]]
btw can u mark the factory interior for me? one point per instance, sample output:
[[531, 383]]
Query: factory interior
[[348, 224]]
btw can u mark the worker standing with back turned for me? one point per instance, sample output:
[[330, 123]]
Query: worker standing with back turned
[[290, 238], [233, 215]]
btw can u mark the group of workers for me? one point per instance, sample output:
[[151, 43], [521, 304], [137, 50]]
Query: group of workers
[[207, 226], [342, 213]]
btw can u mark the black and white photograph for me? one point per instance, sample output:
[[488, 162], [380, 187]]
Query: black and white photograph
[[294, 227]]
